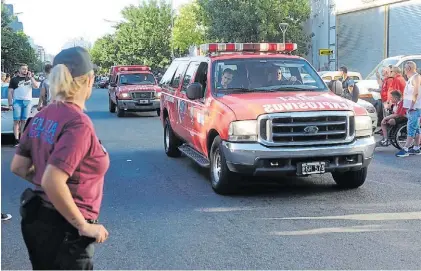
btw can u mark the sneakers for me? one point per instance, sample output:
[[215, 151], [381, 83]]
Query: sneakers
[[385, 142], [411, 151], [414, 152], [16, 142], [402, 153], [5, 217]]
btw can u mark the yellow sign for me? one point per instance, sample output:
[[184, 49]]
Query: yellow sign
[[325, 52]]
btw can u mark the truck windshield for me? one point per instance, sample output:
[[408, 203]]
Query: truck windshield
[[137, 79], [265, 74], [386, 62]]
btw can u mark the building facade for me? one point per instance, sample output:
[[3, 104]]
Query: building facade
[[361, 33], [16, 25]]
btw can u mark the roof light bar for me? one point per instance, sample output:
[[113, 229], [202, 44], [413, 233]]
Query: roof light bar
[[247, 47]]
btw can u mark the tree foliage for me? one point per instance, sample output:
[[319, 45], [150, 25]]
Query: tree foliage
[[15, 47], [256, 20], [188, 28], [146, 35]]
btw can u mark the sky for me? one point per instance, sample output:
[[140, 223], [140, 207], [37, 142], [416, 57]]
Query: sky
[[52, 23]]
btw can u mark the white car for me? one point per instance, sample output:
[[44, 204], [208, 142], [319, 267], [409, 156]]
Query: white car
[[7, 115], [371, 111], [369, 107]]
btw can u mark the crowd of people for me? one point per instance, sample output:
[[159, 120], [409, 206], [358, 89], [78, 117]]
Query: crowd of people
[[401, 102]]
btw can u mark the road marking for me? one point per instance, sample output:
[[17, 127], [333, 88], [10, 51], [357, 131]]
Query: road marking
[[352, 229], [223, 209], [361, 217]]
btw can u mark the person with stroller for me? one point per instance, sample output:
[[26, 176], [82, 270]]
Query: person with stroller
[[397, 116]]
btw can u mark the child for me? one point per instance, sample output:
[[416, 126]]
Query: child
[[398, 115]]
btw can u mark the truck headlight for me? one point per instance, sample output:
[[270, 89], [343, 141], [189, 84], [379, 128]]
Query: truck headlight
[[363, 126], [124, 95], [244, 130], [158, 95]]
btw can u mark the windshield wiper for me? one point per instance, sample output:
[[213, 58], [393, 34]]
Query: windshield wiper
[[288, 88]]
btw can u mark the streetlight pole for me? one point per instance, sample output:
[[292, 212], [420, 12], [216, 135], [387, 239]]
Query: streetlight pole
[[283, 27]]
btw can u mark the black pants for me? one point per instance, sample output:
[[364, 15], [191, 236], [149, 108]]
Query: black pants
[[54, 244]]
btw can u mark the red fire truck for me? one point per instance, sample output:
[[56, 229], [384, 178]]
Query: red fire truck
[[133, 89], [255, 109]]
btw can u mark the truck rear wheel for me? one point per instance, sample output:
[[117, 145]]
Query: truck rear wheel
[[350, 179], [111, 105], [171, 141], [223, 181]]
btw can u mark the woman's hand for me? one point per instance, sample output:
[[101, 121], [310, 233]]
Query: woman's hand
[[96, 231]]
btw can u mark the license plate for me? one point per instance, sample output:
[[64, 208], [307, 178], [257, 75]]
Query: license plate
[[311, 168], [143, 101]]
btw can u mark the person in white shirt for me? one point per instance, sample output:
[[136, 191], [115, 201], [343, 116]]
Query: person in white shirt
[[412, 102]]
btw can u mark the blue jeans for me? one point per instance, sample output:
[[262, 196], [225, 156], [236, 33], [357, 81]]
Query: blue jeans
[[414, 122], [21, 109]]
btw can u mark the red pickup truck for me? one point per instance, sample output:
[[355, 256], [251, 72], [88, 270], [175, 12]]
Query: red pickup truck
[[245, 109], [133, 89]]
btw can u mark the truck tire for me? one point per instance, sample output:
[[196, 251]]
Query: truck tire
[[111, 105], [120, 112], [350, 179], [223, 181], [171, 141]]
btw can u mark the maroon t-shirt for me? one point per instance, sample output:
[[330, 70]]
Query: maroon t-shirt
[[63, 136]]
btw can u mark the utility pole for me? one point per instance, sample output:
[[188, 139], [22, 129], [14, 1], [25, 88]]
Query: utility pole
[[283, 27]]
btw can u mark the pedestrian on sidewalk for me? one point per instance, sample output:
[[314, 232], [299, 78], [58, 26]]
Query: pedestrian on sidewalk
[[45, 95], [62, 156], [19, 98], [412, 102], [398, 82]]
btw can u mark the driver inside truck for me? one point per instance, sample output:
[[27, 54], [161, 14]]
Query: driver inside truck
[[226, 79]]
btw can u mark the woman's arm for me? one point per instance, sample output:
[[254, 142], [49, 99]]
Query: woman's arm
[[23, 167], [54, 183]]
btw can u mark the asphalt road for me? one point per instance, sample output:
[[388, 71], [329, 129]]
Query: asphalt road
[[162, 213]]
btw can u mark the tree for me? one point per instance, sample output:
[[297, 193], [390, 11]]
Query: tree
[[144, 37], [104, 53], [188, 29], [256, 20], [15, 47]]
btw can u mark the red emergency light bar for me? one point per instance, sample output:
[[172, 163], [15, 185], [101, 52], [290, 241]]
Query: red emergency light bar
[[247, 47]]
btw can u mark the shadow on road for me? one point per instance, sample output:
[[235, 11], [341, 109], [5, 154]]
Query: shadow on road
[[107, 115]]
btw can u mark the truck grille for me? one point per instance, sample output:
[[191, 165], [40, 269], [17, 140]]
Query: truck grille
[[306, 128], [143, 95]]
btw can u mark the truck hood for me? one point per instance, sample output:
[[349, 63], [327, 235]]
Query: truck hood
[[251, 105], [128, 88]]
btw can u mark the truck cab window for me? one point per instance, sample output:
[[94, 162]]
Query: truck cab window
[[191, 70], [169, 74], [177, 77]]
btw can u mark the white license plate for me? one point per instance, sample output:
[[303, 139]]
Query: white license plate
[[312, 168], [143, 101]]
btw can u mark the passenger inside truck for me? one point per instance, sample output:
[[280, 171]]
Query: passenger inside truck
[[252, 75]]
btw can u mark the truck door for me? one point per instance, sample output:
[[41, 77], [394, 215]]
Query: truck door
[[188, 118], [199, 110], [112, 88], [180, 104]]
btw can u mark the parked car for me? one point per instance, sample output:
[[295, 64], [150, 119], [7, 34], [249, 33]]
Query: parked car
[[7, 115]]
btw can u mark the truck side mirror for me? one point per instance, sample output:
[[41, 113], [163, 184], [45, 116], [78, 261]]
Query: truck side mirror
[[113, 85], [195, 91]]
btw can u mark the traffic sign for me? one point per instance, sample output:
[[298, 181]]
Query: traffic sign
[[325, 52]]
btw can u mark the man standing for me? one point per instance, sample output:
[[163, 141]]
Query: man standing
[[398, 82], [45, 95], [20, 96], [412, 101], [348, 84]]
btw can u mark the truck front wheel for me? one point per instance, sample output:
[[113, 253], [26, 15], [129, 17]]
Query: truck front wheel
[[120, 111], [111, 105], [350, 179], [222, 179]]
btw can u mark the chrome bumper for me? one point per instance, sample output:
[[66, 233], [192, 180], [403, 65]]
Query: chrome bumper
[[256, 159], [135, 106]]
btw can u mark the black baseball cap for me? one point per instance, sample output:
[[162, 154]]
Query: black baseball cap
[[76, 59]]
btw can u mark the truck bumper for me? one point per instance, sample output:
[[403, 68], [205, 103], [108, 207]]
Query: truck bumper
[[135, 106], [258, 160]]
